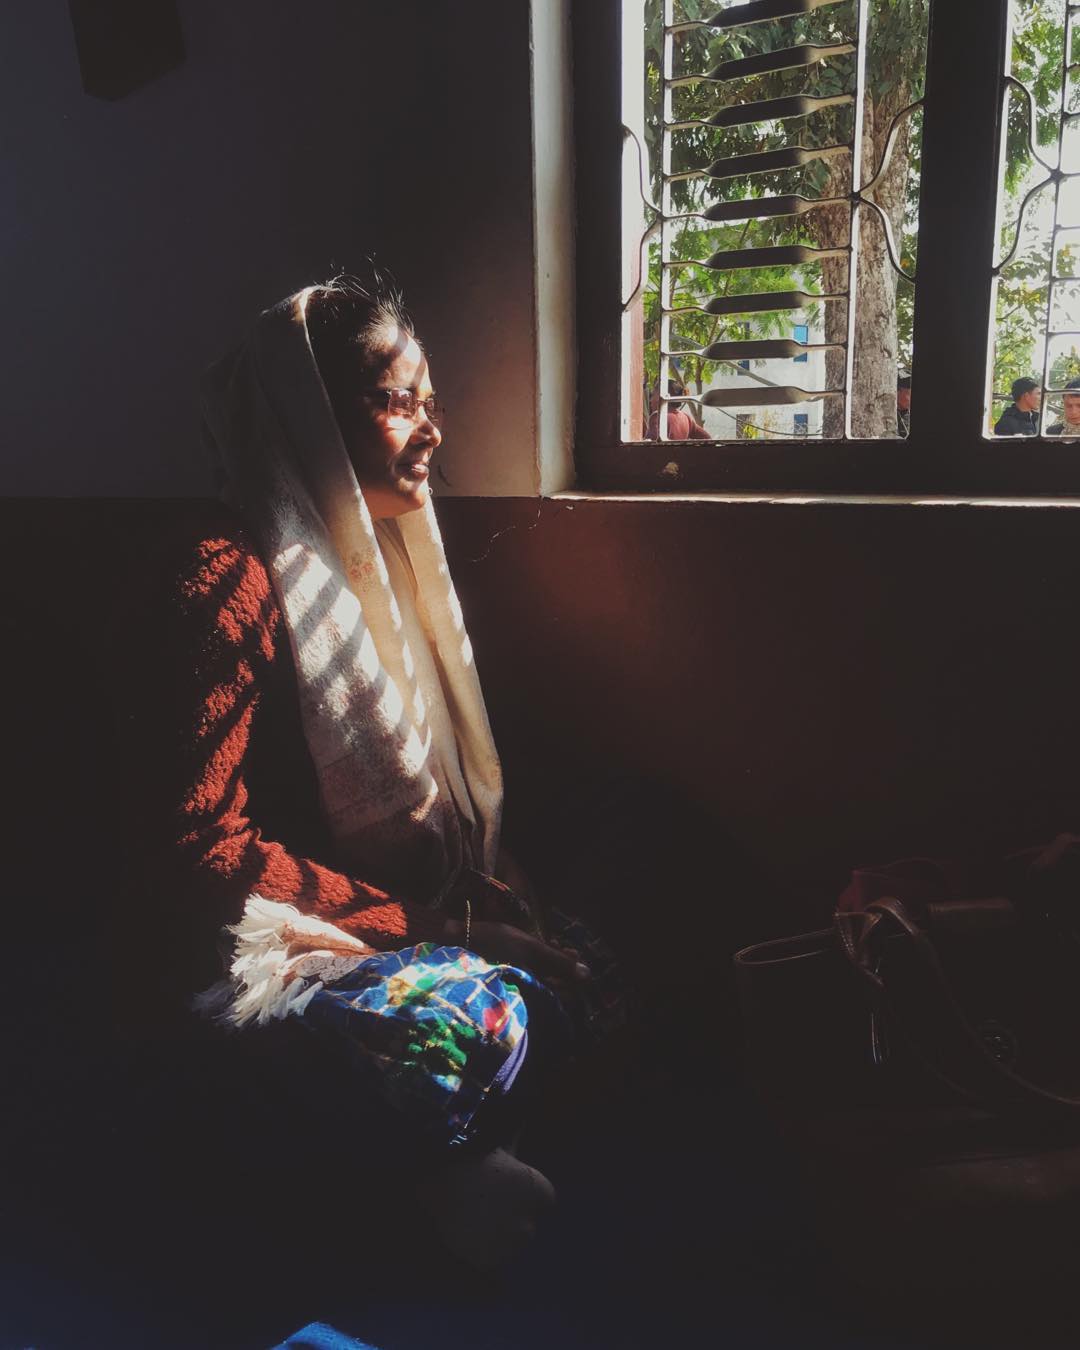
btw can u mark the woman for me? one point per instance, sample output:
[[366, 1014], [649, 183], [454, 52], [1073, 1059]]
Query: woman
[[338, 794]]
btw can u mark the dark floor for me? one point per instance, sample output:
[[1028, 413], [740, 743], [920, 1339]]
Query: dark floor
[[129, 1223], [678, 1224]]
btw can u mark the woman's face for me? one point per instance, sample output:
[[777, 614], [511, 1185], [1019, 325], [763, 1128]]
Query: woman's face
[[391, 453]]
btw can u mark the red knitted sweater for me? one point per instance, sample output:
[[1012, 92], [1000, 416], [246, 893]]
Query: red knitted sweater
[[241, 795]]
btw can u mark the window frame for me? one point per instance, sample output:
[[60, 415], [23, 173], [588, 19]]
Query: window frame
[[945, 452]]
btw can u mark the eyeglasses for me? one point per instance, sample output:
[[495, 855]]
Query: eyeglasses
[[404, 406]]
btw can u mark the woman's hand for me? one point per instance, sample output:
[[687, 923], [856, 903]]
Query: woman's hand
[[504, 943], [489, 899], [510, 871]]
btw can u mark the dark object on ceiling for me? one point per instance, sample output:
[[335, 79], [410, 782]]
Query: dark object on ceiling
[[124, 44]]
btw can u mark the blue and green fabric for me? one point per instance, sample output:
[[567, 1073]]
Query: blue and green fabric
[[437, 1028], [320, 1336]]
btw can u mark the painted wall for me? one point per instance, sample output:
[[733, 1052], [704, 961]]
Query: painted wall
[[830, 684], [139, 237]]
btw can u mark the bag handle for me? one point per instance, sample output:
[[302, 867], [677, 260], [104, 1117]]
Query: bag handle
[[964, 1061]]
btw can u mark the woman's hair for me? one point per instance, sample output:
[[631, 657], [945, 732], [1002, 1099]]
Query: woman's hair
[[351, 316]]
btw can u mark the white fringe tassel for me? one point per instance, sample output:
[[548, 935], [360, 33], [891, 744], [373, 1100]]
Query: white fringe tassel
[[278, 951]]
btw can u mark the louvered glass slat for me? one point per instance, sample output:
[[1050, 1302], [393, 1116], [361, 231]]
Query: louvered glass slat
[[760, 208], [765, 396], [766, 110], [758, 11], [771, 161], [788, 255], [767, 62], [761, 349], [760, 302]]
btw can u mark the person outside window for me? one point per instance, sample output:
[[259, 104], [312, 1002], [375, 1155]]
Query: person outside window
[[903, 405], [681, 426], [1070, 424], [1021, 417]]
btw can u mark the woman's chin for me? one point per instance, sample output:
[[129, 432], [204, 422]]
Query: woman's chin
[[406, 495], [417, 495]]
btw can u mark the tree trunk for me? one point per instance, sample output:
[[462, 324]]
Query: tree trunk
[[873, 392]]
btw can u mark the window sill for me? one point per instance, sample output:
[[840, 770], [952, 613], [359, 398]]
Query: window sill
[[814, 499], [925, 466]]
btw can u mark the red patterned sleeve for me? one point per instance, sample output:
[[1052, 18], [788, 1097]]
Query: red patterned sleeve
[[223, 622]]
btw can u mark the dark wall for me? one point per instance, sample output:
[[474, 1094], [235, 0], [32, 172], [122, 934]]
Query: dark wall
[[141, 236], [832, 683], [835, 683]]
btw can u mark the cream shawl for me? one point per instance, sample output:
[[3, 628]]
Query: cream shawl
[[411, 788]]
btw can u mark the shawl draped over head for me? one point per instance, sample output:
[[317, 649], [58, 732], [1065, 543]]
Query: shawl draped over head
[[390, 702]]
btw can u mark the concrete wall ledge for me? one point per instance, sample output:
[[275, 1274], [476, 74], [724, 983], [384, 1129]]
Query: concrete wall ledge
[[815, 499]]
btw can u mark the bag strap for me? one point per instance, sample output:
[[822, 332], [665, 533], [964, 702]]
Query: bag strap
[[927, 1009]]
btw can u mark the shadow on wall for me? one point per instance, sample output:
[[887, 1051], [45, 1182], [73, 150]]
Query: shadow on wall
[[832, 684], [836, 684]]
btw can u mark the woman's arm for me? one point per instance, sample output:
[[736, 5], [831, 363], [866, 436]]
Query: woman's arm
[[223, 625]]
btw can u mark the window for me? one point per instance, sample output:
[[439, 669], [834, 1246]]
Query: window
[[748, 120], [753, 95]]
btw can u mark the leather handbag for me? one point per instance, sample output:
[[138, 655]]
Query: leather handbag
[[922, 1057]]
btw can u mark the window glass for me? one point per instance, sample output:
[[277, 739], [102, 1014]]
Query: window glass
[[1035, 339], [738, 222]]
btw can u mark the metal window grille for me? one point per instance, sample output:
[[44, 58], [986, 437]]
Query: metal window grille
[[1047, 220], [770, 171]]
